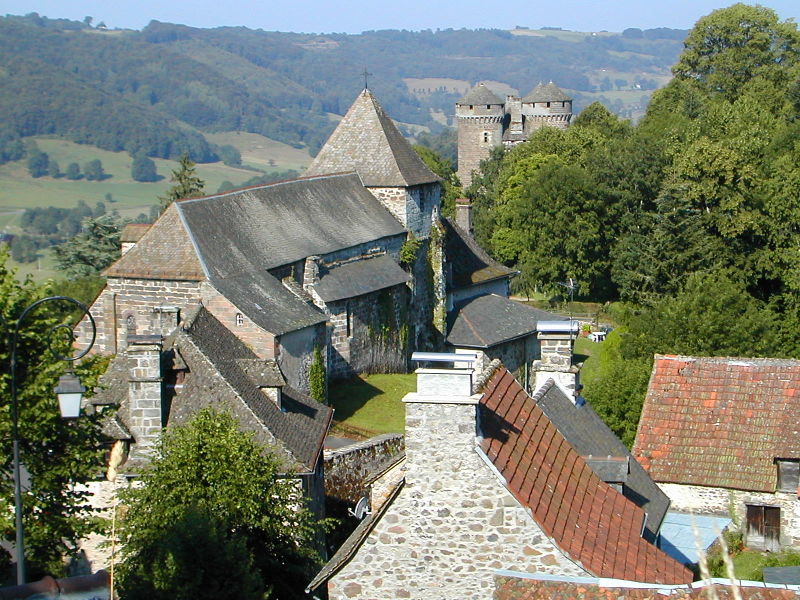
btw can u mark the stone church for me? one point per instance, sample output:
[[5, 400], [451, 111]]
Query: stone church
[[485, 121]]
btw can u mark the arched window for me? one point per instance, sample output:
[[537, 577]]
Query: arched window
[[485, 137], [130, 323], [239, 319]]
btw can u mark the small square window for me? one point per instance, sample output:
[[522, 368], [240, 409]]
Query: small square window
[[788, 474]]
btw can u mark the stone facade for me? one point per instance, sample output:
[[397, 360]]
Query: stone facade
[[733, 503], [350, 470], [416, 207], [454, 522], [556, 361], [480, 130], [136, 306]]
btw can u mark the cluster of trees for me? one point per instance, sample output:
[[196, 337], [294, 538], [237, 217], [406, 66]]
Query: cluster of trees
[[40, 164], [692, 216]]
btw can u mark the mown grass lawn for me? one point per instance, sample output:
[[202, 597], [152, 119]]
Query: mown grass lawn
[[371, 404]]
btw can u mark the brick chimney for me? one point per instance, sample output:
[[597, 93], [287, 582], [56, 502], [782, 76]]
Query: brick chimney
[[464, 214], [441, 425], [144, 390]]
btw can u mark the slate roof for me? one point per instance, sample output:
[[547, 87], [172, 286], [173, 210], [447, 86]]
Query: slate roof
[[480, 94], [268, 303], [132, 232], [469, 263], [489, 320], [548, 92], [360, 277], [368, 142], [523, 586], [267, 226], [223, 371], [720, 422], [591, 522], [163, 252], [589, 435], [301, 429]]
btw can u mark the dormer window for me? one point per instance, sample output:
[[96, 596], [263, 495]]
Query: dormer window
[[788, 474], [239, 319]]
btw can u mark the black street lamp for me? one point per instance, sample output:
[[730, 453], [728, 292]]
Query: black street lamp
[[69, 391]]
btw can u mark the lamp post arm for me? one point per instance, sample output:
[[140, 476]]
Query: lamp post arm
[[14, 338]]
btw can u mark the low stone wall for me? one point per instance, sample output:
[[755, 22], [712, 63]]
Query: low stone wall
[[349, 470]]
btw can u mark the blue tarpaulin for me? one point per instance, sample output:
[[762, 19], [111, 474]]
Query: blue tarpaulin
[[678, 539]]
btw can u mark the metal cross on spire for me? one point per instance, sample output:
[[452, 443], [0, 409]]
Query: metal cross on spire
[[366, 78]]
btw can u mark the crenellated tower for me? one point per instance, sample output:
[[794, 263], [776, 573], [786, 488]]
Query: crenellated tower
[[481, 116]]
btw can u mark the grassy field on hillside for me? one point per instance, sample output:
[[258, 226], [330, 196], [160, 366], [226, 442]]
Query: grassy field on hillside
[[263, 153], [18, 190]]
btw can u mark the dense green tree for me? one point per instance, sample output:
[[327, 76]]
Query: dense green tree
[[92, 250], [143, 169], [230, 156], [186, 183], [57, 453], [451, 186], [93, 170], [733, 45], [213, 479], [37, 164], [24, 249], [53, 169], [73, 171]]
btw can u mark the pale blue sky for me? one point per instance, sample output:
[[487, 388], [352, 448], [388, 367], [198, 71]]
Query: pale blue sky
[[354, 16]]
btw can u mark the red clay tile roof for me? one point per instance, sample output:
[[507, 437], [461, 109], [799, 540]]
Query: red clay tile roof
[[165, 251], [720, 422], [518, 588], [588, 519]]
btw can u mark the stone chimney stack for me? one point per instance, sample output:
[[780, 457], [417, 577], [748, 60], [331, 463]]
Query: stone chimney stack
[[556, 340], [441, 425], [144, 390], [311, 272], [464, 214]]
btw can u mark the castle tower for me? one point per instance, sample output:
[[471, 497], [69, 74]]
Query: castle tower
[[368, 142], [480, 116], [546, 106]]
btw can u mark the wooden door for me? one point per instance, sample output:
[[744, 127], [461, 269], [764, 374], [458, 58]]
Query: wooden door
[[764, 527]]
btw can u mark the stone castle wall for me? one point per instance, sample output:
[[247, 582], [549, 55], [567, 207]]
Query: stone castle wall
[[720, 501], [451, 526], [473, 145]]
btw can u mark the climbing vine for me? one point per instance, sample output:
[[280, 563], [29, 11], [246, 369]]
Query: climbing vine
[[316, 376], [409, 249]]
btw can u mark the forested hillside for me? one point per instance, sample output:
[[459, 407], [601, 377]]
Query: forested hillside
[[692, 216], [158, 90]]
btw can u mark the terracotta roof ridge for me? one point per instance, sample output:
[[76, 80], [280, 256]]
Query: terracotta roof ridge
[[484, 376], [728, 360]]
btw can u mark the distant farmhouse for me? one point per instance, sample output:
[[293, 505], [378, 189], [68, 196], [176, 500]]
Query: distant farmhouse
[[485, 121], [236, 299]]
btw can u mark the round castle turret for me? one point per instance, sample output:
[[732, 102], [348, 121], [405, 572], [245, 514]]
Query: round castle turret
[[480, 115], [546, 106]]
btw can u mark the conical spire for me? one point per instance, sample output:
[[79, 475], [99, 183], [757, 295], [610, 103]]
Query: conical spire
[[368, 142]]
